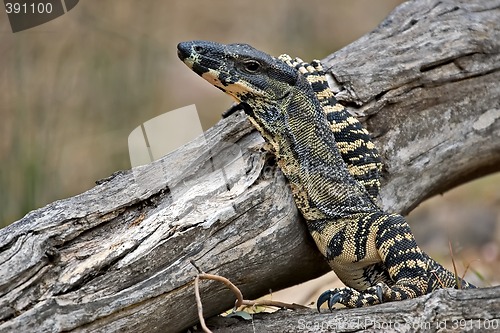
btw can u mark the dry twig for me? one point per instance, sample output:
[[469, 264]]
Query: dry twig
[[239, 297]]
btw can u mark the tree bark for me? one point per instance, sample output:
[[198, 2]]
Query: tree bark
[[120, 256], [446, 310]]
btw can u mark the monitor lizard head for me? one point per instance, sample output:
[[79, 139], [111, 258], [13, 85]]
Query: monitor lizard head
[[264, 83], [239, 69]]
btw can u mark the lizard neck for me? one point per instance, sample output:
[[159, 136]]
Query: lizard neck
[[308, 156]]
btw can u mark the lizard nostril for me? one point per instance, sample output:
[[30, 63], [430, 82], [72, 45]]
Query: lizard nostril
[[198, 49]]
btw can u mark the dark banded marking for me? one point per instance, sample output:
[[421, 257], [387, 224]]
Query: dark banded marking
[[354, 141]]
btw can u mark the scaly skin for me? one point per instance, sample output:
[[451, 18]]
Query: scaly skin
[[353, 141], [373, 252]]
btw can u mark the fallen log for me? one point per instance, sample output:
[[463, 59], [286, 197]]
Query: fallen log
[[119, 256]]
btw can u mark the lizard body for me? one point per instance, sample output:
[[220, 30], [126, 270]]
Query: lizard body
[[353, 141], [321, 152]]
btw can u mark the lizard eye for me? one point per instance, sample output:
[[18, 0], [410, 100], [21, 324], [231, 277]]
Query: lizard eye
[[252, 66]]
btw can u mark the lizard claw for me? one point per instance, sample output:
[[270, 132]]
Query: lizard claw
[[332, 296], [380, 293]]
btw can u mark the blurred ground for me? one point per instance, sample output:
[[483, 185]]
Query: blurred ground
[[73, 89]]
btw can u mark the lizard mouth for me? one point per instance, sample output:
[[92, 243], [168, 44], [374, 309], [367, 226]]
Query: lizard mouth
[[193, 55]]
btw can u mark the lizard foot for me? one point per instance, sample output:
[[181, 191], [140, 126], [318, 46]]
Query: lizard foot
[[352, 298]]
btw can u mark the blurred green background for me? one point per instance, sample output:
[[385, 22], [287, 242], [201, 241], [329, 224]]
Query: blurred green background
[[73, 89]]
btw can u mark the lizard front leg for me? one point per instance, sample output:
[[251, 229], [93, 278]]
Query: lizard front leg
[[409, 271]]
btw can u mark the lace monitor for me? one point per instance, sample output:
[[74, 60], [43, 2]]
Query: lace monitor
[[353, 141], [332, 168]]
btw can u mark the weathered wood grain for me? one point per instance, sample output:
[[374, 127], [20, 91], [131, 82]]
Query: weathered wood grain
[[117, 257]]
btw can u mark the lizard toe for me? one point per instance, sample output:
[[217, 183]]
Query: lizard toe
[[331, 296]]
